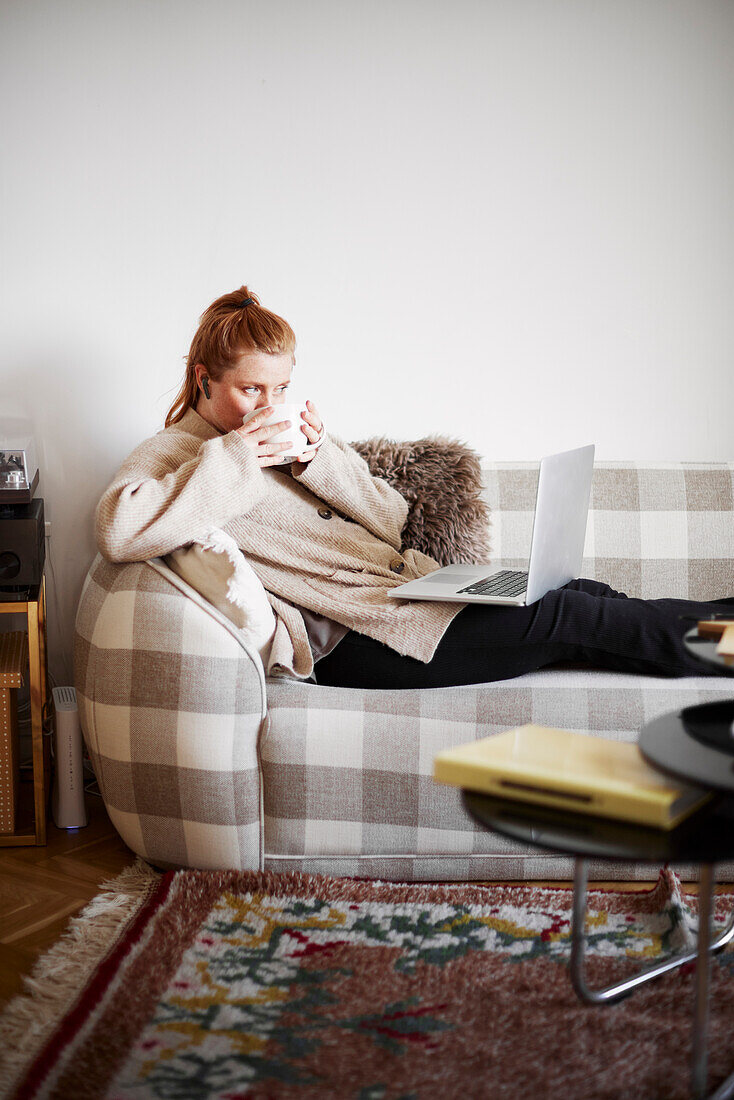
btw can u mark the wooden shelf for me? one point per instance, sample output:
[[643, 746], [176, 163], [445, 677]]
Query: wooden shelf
[[25, 824], [32, 830]]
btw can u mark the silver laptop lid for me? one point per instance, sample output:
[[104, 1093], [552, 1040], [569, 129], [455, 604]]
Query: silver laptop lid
[[559, 528]]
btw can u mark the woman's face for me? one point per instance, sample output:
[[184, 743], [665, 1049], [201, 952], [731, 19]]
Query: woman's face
[[257, 380]]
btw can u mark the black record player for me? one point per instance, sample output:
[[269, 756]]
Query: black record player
[[22, 526]]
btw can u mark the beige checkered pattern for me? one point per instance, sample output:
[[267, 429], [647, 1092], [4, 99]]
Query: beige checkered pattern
[[653, 530], [171, 705], [338, 781], [347, 772]]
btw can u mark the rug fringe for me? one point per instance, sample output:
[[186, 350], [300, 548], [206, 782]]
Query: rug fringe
[[57, 976]]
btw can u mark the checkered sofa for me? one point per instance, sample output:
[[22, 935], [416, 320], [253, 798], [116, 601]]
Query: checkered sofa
[[204, 762]]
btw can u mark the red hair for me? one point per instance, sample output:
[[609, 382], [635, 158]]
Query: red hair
[[226, 330]]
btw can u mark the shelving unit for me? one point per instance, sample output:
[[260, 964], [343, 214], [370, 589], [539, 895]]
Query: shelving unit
[[13, 653]]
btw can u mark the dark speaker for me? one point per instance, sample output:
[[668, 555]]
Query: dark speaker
[[22, 544]]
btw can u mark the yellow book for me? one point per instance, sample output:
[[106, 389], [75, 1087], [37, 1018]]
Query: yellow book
[[572, 771]]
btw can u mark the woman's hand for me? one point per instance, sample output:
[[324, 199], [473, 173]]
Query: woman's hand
[[312, 427], [256, 435]]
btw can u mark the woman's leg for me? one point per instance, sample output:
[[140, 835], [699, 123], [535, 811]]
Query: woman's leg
[[585, 621]]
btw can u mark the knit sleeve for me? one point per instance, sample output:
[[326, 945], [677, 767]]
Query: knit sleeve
[[341, 477], [169, 489]]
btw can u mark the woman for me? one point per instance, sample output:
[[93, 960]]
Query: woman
[[324, 537]]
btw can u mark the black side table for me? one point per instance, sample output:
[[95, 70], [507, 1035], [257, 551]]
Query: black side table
[[696, 744], [705, 838]]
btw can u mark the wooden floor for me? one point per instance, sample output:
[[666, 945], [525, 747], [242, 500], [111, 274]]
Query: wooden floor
[[42, 887]]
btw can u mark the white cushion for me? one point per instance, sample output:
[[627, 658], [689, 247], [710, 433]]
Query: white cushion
[[215, 566]]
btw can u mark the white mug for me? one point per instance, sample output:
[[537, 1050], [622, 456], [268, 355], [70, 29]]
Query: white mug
[[291, 410]]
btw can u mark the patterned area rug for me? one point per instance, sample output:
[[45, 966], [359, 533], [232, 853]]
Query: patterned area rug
[[197, 985]]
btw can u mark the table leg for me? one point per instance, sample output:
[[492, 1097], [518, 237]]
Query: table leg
[[37, 694], [619, 990], [703, 970], [725, 1091], [45, 693]]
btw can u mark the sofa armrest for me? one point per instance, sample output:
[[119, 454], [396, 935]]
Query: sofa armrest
[[171, 704]]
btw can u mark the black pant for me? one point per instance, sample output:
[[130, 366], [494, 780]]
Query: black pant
[[585, 621]]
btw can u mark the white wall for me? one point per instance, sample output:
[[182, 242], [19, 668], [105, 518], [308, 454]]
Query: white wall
[[456, 206]]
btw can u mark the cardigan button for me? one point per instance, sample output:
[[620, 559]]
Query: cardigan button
[[398, 566], [325, 513]]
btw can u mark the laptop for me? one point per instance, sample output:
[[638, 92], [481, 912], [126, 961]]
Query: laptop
[[556, 550]]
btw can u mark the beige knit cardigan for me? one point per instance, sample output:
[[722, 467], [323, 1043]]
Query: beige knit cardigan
[[324, 535]]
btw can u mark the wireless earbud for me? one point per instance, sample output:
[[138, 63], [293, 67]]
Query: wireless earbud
[[205, 387]]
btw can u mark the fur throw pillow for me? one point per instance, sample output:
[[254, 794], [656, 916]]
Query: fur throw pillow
[[441, 479]]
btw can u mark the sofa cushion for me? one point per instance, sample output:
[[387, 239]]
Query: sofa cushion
[[441, 479], [347, 773], [216, 567]]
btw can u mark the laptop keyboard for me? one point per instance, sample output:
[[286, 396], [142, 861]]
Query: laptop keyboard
[[504, 583]]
